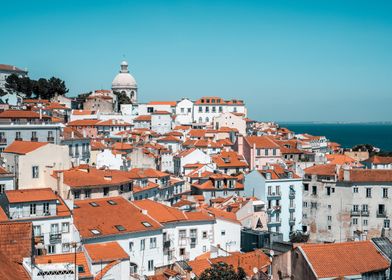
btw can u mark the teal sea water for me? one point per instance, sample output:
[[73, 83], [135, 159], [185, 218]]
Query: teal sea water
[[348, 135]]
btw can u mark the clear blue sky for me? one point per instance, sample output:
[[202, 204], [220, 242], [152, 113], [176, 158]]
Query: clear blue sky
[[289, 60]]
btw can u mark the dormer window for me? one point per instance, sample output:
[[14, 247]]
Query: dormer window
[[119, 227], [95, 231], [94, 204]]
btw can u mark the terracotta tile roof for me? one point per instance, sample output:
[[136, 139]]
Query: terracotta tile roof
[[150, 186], [278, 172], [142, 118], [6, 67], [66, 258], [182, 127], [11, 270], [321, 169], [96, 145], [105, 270], [68, 132], [139, 173], [122, 146], [248, 261], [169, 138], [21, 114], [262, 142], [87, 122], [229, 159], [166, 214], [30, 195], [89, 176], [56, 106], [184, 153], [339, 159], [15, 240], [171, 103], [221, 214], [344, 259], [105, 252], [105, 217], [370, 175], [3, 171], [379, 160], [23, 147]]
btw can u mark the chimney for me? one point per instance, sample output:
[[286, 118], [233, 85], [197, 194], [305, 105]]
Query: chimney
[[346, 175], [60, 182], [144, 212]]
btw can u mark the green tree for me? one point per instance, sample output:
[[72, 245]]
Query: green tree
[[2, 92], [56, 86], [122, 98], [222, 271]]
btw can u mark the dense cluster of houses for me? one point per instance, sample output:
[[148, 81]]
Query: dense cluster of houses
[[165, 189]]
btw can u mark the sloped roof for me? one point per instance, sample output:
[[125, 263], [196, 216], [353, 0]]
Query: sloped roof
[[105, 252], [23, 147], [107, 215], [344, 259], [15, 240], [262, 142], [321, 169], [30, 195]]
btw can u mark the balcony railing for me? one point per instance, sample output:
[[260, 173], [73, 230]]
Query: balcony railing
[[50, 139], [18, 139], [382, 214], [274, 195], [292, 221], [365, 213], [3, 141], [34, 139], [355, 213], [55, 238]]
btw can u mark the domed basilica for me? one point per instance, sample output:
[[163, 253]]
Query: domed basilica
[[125, 83]]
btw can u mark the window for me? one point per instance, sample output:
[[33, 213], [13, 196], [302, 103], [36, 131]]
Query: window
[[266, 152], [365, 222], [193, 236], [146, 224], [355, 208], [328, 190], [182, 234], [200, 109], [17, 135], [355, 190], [65, 227], [2, 188], [33, 135], [150, 265], [95, 232], [46, 208], [153, 242], [130, 246], [385, 193], [65, 247], [33, 209], [329, 206], [54, 228], [51, 249], [142, 244], [105, 191], [365, 208], [381, 210], [35, 171], [87, 193], [368, 192], [314, 190], [220, 109], [37, 230], [306, 187], [119, 227], [313, 205], [329, 218], [305, 204], [329, 227], [204, 234], [355, 221], [386, 223], [223, 232], [274, 152], [204, 248], [76, 194], [182, 251]]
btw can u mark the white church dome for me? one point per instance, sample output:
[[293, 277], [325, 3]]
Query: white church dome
[[124, 80]]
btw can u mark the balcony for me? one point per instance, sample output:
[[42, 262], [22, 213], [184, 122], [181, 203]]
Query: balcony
[[276, 222], [3, 141], [355, 213], [381, 214], [292, 221], [55, 238], [274, 196], [50, 139], [292, 195], [34, 139], [18, 139], [365, 213]]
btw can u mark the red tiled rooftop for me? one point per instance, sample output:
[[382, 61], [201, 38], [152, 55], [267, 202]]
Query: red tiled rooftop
[[105, 252], [23, 147]]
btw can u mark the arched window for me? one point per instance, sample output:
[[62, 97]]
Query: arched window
[[200, 120], [207, 119]]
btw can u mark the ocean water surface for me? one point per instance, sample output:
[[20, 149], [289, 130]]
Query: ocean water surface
[[348, 135]]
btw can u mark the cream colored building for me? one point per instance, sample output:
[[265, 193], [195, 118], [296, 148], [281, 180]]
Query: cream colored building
[[33, 162], [231, 120]]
